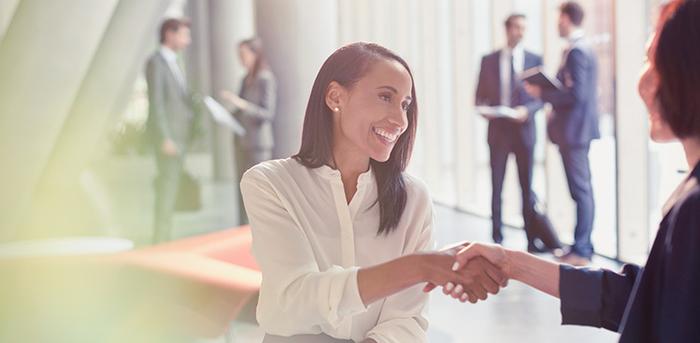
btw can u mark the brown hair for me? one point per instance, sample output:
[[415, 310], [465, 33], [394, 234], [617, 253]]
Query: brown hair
[[675, 56], [255, 45], [574, 11], [172, 25], [346, 66], [511, 18]]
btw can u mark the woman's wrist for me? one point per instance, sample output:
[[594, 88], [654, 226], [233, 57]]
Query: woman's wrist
[[417, 268], [383, 280], [513, 268], [534, 271]]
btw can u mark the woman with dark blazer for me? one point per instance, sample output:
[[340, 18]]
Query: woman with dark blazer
[[659, 302], [255, 107]]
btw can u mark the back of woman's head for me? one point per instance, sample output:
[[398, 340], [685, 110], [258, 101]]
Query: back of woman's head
[[677, 60], [347, 66]]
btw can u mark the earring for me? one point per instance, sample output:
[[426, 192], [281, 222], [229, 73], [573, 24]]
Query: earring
[[336, 109]]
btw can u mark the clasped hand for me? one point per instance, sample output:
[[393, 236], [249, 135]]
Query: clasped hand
[[469, 271]]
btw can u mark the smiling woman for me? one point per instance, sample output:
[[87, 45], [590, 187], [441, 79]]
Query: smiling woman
[[359, 107], [340, 231]]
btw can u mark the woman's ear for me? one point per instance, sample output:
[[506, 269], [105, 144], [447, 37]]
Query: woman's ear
[[335, 96]]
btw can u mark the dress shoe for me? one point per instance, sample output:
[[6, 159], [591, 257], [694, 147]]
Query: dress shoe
[[534, 249]]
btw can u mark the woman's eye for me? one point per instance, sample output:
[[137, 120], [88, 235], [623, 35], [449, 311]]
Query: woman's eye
[[385, 97]]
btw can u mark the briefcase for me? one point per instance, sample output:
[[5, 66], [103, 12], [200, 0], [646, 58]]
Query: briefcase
[[542, 228], [188, 194]]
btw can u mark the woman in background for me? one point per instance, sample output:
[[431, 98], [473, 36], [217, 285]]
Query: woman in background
[[254, 109]]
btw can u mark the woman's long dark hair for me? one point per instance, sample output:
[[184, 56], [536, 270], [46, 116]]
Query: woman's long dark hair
[[346, 66], [255, 45]]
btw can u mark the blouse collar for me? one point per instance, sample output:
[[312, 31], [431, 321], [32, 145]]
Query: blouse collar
[[334, 174]]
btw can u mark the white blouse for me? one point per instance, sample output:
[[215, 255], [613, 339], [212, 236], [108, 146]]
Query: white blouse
[[309, 243]]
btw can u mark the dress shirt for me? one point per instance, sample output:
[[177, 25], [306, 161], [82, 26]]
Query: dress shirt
[[171, 58], [310, 243], [517, 56]]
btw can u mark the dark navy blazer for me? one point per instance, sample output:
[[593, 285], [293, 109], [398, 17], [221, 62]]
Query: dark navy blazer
[[575, 120], [657, 303], [488, 93]]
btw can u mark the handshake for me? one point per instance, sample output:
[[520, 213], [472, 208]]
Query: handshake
[[467, 271]]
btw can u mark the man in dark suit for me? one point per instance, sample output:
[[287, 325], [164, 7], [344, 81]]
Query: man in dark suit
[[170, 119], [574, 124], [500, 86]]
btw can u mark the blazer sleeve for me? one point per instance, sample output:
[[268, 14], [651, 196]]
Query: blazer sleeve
[[155, 73], [680, 299], [265, 109], [296, 297], [595, 297], [577, 64]]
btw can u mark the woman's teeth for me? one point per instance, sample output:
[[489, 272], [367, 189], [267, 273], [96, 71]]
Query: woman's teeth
[[388, 136]]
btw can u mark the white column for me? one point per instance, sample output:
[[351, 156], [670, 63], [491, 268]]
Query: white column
[[120, 57], [632, 132], [230, 22], [45, 56], [466, 71], [299, 35]]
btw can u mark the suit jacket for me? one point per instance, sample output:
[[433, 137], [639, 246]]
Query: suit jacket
[[575, 119], [488, 93], [171, 110], [657, 303], [257, 119]]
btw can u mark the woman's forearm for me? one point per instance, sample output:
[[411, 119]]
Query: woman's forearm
[[534, 271], [380, 281]]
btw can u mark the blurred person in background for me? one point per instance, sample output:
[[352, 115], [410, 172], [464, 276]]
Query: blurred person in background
[[255, 106], [499, 86], [573, 124], [171, 119]]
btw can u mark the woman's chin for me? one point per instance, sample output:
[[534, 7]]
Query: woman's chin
[[661, 133], [381, 156]]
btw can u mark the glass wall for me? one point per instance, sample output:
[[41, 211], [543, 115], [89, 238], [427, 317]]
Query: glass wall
[[444, 42]]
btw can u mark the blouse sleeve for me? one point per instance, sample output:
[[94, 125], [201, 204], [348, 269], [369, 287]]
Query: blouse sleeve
[[296, 297], [403, 316], [265, 109]]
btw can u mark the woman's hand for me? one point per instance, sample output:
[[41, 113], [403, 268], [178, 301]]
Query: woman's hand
[[529, 269], [533, 90], [234, 99], [473, 282], [494, 253]]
